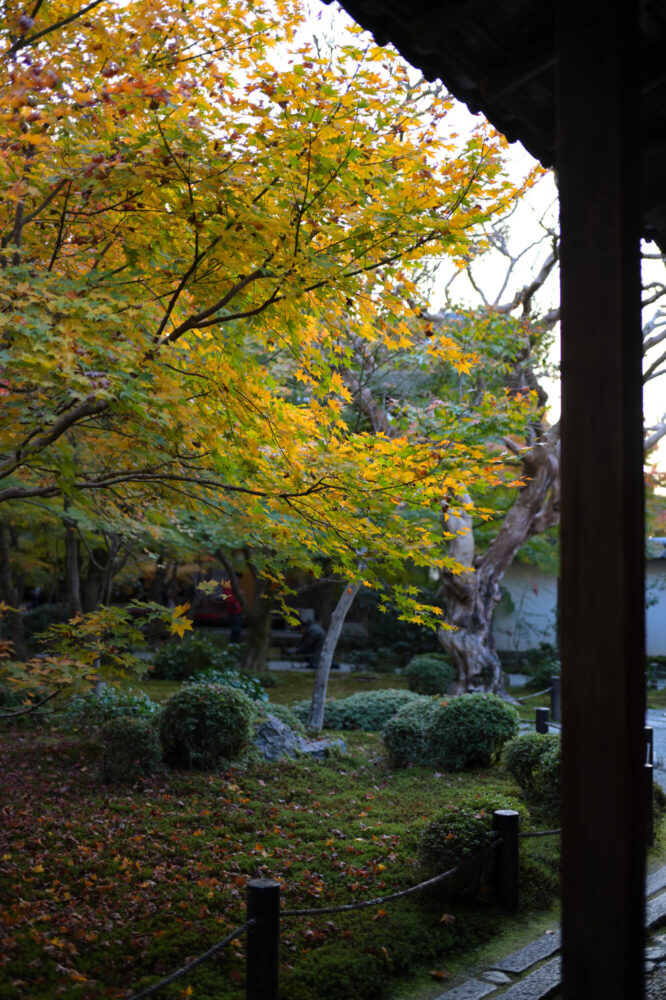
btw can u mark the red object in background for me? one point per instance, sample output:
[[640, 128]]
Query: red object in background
[[232, 604]]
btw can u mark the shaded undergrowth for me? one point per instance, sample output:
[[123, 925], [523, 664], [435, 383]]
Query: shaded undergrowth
[[109, 889]]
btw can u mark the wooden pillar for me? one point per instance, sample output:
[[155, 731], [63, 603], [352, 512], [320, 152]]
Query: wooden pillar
[[602, 503]]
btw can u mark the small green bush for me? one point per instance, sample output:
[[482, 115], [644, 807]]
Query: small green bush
[[548, 782], [522, 756], [373, 659], [541, 665], [252, 686], [430, 673], [366, 710], [92, 710], [129, 748], [280, 712], [204, 724], [36, 620], [181, 659], [533, 759], [470, 731], [460, 837], [404, 734]]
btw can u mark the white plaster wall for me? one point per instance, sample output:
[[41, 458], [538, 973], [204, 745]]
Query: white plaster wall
[[534, 594], [532, 619], [655, 615]]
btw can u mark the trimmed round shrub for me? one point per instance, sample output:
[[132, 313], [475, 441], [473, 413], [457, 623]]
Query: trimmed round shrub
[[404, 734], [252, 686], [280, 712], [180, 660], [470, 731], [522, 756], [129, 748], [460, 836], [430, 673], [204, 724], [548, 781], [367, 710], [92, 710]]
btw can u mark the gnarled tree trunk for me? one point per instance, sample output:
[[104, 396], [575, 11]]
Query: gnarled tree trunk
[[469, 598]]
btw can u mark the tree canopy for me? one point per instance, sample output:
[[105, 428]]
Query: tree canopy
[[204, 215]]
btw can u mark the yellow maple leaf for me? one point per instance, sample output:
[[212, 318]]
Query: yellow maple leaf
[[179, 624]]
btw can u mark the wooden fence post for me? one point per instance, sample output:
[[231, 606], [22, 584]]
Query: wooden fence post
[[507, 866], [555, 699], [649, 745], [263, 939], [542, 720], [649, 803]]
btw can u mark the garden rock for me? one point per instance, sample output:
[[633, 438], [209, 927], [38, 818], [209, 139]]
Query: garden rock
[[318, 749], [275, 739]]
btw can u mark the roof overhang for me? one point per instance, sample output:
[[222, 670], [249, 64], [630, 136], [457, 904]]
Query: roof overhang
[[499, 58]]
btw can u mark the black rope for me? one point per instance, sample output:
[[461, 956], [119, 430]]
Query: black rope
[[191, 965], [362, 904], [537, 694]]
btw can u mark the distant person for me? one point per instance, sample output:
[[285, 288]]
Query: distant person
[[311, 643], [234, 610]]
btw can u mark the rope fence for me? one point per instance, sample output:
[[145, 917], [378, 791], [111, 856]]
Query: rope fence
[[179, 973], [263, 895], [264, 910], [381, 900], [264, 913], [537, 694]]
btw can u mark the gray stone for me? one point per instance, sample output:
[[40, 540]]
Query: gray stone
[[656, 911], [318, 749], [470, 990], [649, 967], [655, 882], [542, 948], [499, 978], [276, 739], [656, 952], [540, 984]]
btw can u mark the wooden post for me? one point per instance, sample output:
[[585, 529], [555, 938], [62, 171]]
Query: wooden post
[[649, 805], [555, 699], [602, 626], [507, 865], [541, 720], [263, 939]]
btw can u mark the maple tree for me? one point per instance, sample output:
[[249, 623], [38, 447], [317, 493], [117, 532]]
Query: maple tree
[[183, 223], [487, 548]]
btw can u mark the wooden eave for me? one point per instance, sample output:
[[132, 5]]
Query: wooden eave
[[499, 58]]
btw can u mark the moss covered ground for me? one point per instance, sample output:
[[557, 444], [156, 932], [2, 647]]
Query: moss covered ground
[[107, 889]]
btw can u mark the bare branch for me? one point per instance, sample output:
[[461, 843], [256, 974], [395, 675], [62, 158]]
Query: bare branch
[[655, 436], [86, 408], [27, 40]]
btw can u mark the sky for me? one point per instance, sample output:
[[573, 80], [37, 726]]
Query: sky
[[523, 230]]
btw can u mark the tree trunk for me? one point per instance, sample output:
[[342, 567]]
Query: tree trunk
[[258, 629], [93, 582], [469, 598], [10, 595], [345, 601], [72, 577]]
